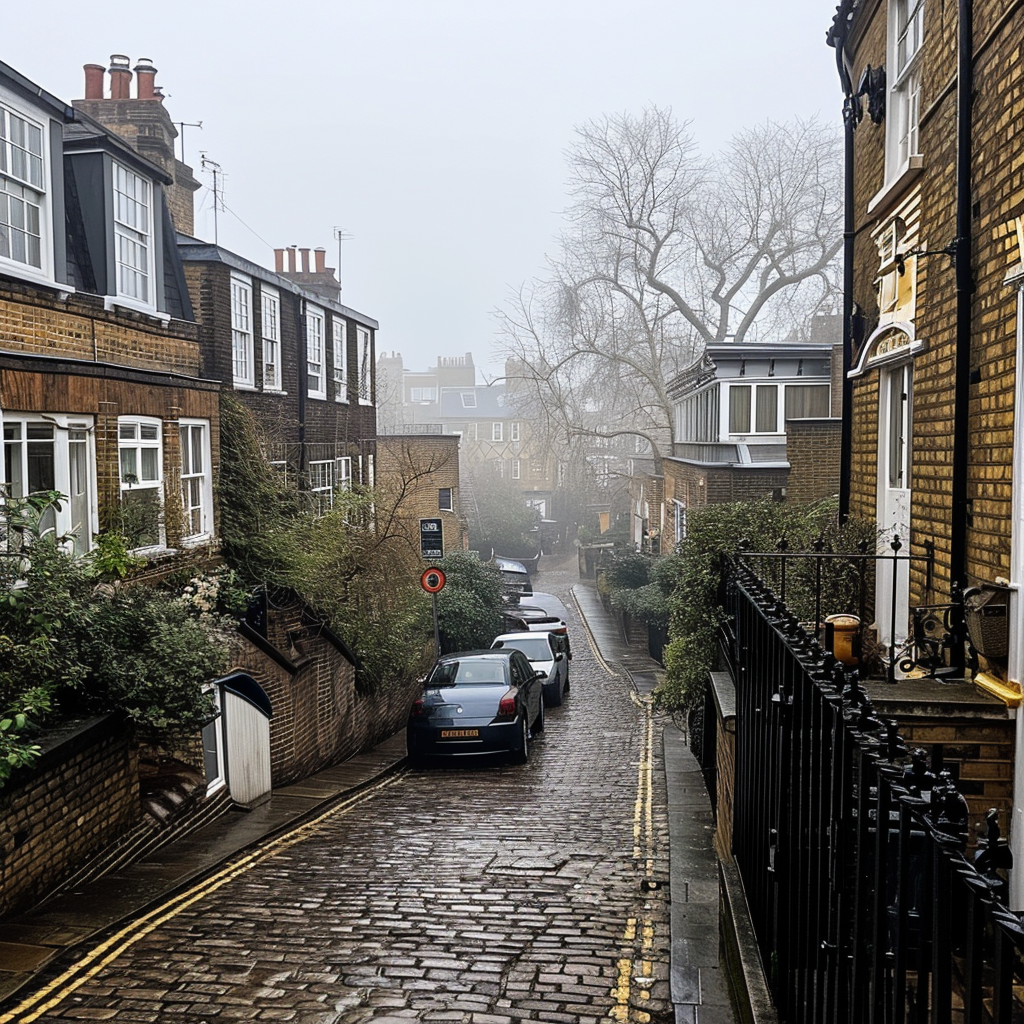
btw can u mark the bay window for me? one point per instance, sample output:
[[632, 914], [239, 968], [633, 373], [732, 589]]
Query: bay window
[[53, 453]]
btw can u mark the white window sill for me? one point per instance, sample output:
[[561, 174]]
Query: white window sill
[[318, 395], [111, 303], [23, 272], [274, 391], [1015, 275], [894, 189], [243, 385], [365, 401], [339, 399], [197, 541]]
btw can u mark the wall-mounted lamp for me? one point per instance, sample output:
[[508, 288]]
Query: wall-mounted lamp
[[902, 257]]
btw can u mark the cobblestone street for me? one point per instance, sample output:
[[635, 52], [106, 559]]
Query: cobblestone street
[[478, 893]]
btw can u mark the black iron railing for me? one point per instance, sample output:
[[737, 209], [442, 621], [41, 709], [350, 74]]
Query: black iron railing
[[932, 638], [865, 901]]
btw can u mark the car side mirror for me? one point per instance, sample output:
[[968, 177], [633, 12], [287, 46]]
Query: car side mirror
[[540, 675], [559, 656]]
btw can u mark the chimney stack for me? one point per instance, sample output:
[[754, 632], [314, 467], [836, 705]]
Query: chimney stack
[[279, 260], [320, 255], [120, 77], [145, 76], [292, 259], [94, 81], [305, 260]]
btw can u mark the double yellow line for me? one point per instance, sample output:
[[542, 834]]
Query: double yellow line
[[101, 956], [636, 966]]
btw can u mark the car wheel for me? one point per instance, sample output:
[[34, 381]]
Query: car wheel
[[521, 754]]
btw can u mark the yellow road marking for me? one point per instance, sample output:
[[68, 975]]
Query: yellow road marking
[[590, 638], [107, 952]]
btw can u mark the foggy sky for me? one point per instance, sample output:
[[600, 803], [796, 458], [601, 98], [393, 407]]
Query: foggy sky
[[433, 131]]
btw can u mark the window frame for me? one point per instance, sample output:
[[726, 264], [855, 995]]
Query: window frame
[[903, 108], [498, 430], [156, 485], [442, 505], [63, 426], [339, 370], [132, 235], [315, 347], [514, 431], [365, 371], [318, 487], [270, 336], [204, 478], [40, 201], [243, 347]]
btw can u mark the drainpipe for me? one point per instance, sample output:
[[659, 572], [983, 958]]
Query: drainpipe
[[837, 38], [962, 378]]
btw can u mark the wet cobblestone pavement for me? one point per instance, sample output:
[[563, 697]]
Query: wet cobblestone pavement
[[481, 894]]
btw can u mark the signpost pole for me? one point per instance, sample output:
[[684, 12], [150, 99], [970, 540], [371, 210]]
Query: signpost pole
[[437, 630]]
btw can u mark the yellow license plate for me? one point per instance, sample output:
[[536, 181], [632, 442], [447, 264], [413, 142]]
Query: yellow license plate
[[460, 734]]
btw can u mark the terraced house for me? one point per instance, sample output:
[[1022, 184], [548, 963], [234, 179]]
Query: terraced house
[[102, 394], [280, 339], [934, 301]]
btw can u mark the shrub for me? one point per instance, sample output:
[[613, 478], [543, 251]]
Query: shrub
[[469, 609]]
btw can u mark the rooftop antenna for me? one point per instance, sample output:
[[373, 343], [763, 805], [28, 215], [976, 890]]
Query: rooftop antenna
[[182, 125], [340, 235], [214, 168]]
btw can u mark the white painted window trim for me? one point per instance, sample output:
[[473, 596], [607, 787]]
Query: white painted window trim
[[131, 234], [206, 482], [270, 333], [339, 332], [316, 364], [321, 482], [138, 443], [63, 424], [514, 431], [498, 431], [43, 274], [365, 370], [903, 103], [243, 349]]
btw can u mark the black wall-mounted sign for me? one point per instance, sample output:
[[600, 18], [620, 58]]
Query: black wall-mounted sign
[[431, 538]]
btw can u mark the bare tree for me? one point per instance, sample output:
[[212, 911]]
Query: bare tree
[[665, 252]]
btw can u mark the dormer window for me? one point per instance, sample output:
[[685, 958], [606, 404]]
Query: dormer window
[[133, 233], [22, 189], [468, 400]]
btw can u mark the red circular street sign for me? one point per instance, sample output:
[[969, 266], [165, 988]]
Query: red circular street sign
[[432, 580]]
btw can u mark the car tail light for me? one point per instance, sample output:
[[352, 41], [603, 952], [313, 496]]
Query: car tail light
[[418, 708], [507, 707]]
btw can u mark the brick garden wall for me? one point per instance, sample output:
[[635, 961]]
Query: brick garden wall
[[81, 795], [321, 713], [813, 449]]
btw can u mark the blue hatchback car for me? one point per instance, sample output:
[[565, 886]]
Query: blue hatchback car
[[475, 703]]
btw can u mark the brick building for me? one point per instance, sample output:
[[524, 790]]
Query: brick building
[[752, 420], [102, 391], [935, 114], [418, 474], [412, 397], [281, 339]]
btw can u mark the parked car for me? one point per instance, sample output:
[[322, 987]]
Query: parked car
[[545, 653], [475, 703], [548, 603], [517, 579]]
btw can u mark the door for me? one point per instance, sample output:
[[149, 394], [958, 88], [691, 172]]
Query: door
[[892, 590]]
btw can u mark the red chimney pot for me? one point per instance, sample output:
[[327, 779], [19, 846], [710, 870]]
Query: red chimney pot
[[320, 255], [279, 260], [145, 77], [120, 77], [305, 260], [94, 81]]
